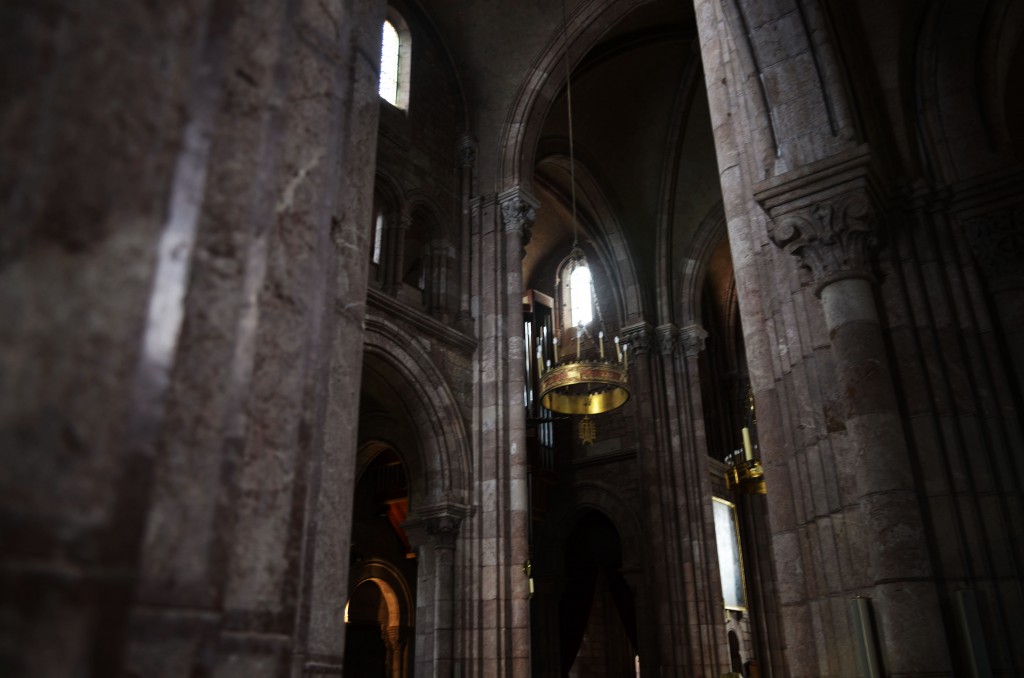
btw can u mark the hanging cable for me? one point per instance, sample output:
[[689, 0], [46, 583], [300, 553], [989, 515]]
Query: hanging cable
[[568, 104]]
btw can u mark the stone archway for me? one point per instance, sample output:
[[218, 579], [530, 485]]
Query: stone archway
[[421, 419], [394, 615], [589, 498]]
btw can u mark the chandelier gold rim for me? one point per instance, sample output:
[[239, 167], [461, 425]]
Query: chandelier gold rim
[[557, 382]]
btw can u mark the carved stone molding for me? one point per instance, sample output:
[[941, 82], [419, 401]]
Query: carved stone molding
[[638, 336], [833, 238], [692, 339]]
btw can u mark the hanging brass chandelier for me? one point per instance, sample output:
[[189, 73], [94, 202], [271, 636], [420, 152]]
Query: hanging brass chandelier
[[584, 381]]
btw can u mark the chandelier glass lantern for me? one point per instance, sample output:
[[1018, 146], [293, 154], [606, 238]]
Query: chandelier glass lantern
[[588, 370]]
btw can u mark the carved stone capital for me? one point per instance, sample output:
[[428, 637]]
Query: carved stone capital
[[518, 210], [638, 336], [437, 524], [997, 240], [668, 338], [465, 150], [692, 339], [833, 239], [823, 214]]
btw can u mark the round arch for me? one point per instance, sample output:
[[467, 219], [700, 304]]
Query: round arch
[[441, 472], [596, 496], [394, 590], [539, 88]]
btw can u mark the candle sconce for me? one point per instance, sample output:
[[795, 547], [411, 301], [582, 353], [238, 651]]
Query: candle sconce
[[744, 471], [747, 476]]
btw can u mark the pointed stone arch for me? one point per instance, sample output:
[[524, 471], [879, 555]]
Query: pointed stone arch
[[586, 24], [693, 273]]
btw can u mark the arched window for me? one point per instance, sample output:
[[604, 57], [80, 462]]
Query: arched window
[[581, 301], [390, 62], [378, 237], [575, 296], [395, 53]]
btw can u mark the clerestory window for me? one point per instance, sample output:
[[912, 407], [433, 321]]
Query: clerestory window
[[395, 52], [378, 237], [581, 300], [390, 61]]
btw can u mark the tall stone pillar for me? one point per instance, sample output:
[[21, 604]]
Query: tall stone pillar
[[107, 118], [395, 642], [658, 523], [394, 256], [444, 530], [467, 159], [518, 212], [434, 531], [824, 216], [494, 615], [682, 563]]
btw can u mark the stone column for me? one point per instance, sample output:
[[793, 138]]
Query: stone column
[[394, 250], [395, 644], [705, 590], [319, 633], [444, 530], [438, 274], [824, 216], [434, 531], [467, 159], [107, 117], [682, 562], [518, 214], [660, 525]]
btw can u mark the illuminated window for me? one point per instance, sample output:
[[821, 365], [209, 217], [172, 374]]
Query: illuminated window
[[378, 232], [581, 301], [389, 64]]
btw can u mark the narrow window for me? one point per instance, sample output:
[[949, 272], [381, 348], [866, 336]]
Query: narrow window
[[378, 233], [389, 64], [580, 299]]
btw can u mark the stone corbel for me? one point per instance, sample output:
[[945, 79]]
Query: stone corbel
[[824, 215]]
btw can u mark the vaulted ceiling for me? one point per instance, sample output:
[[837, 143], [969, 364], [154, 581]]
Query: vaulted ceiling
[[642, 135]]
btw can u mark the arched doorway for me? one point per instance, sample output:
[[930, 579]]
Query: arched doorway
[[597, 612], [379, 614], [366, 615]]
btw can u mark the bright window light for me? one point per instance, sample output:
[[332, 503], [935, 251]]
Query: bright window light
[[389, 64], [378, 233], [581, 305]]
